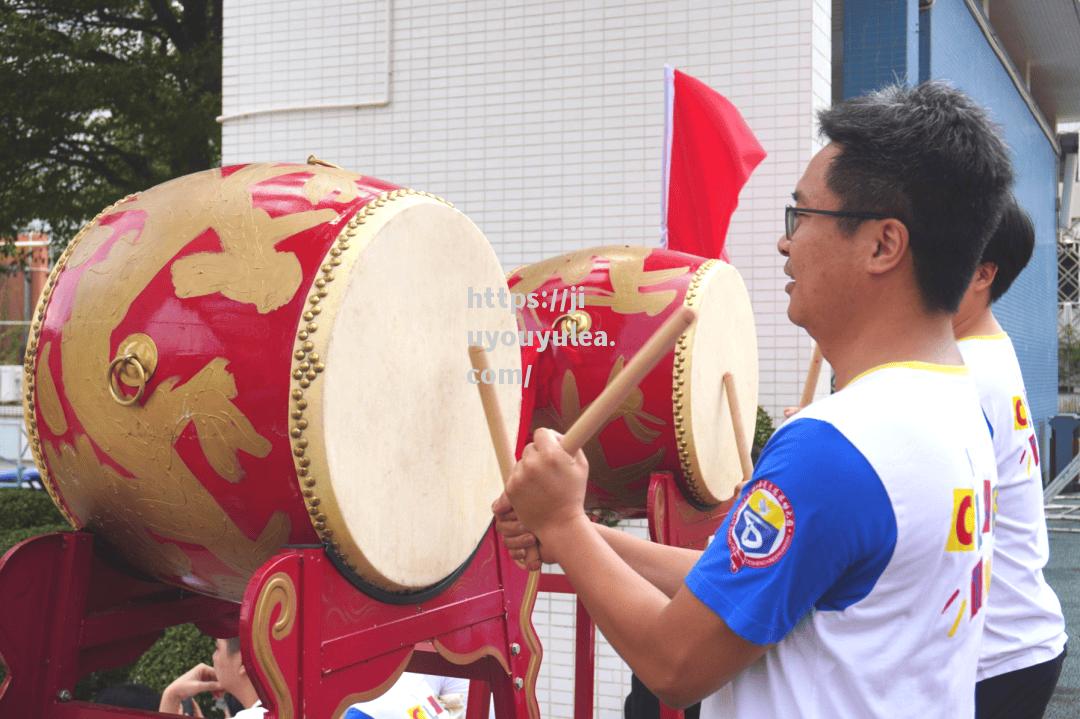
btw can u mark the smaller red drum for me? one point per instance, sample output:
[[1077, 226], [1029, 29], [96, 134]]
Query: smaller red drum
[[603, 304]]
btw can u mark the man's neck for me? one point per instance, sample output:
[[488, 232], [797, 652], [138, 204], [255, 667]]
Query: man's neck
[[978, 325], [901, 336], [245, 694]]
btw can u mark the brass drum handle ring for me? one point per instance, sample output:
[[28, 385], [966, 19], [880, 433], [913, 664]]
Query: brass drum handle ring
[[579, 318], [114, 389]]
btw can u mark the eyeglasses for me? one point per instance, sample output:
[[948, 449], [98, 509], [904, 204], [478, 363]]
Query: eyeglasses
[[791, 216]]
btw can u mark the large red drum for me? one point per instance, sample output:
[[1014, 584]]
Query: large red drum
[[271, 354], [678, 419]]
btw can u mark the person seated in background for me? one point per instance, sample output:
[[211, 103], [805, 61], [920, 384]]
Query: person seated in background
[[227, 675]]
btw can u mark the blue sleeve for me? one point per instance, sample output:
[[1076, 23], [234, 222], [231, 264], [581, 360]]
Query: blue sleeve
[[813, 529]]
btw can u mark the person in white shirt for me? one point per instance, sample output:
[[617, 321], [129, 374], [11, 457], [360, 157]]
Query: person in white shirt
[[1023, 645], [849, 579], [227, 675]]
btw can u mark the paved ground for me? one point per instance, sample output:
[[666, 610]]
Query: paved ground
[[1063, 573]]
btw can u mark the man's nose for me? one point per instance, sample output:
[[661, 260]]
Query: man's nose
[[783, 245]]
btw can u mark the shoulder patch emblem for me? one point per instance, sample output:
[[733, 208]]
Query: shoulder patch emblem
[[761, 529]]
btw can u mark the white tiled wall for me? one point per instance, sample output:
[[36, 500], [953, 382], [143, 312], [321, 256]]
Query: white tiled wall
[[543, 121]]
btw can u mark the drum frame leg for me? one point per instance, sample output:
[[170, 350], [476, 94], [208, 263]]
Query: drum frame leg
[[312, 643]]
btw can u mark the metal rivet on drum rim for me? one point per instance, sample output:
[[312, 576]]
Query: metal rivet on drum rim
[[309, 316], [305, 383], [298, 354], [303, 334], [309, 482], [304, 462], [297, 394], [313, 511], [312, 327], [302, 471], [302, 404], [295, 432], [320, 282], [315, 501], [314, 357], [304, 366], [298, 451], [320, 518], [335, 261], [297, 374], [301, 424], [315, 309], [308, 346], [314, 299]]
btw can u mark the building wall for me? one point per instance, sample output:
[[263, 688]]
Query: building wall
[[543, 122], [960, 53]]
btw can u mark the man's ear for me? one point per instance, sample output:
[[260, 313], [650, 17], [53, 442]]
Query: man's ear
[[890, 244], [984, 276]]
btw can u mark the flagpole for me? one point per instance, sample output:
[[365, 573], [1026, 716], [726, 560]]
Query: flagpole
[[669, 110]]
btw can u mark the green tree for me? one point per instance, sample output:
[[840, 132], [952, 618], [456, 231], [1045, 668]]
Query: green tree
[[101, 99]]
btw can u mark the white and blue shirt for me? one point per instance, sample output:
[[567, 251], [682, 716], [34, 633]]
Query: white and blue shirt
[[1024, 623], [861, 550]]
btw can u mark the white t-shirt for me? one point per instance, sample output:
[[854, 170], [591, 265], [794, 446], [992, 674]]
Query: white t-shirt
[[409, 698], [860, 548], [1024, 623]]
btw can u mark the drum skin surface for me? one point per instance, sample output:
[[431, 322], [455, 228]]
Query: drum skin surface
[[677, 419], [173, 359]]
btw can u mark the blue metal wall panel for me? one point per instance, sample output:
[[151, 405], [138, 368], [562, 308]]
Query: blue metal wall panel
[[880, 44]]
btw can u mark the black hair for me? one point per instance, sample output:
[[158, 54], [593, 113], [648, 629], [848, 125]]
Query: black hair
[[930, 157], [131, 696], [1010, 247]]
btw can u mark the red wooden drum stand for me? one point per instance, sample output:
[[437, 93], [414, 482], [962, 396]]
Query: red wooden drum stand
[[312, 643], [672, 521]]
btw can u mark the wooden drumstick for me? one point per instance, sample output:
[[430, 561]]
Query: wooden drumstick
[[741, 444], [813, 372], [597, 413], [504, 450]]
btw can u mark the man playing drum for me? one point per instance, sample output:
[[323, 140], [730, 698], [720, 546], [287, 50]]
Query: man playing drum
[[1023, 645], [849, 579]]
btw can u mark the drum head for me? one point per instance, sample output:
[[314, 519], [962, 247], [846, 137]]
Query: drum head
[[402, 462], [722, 340]]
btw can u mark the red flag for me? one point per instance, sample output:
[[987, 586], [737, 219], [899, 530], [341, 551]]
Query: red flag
[[709, 155]]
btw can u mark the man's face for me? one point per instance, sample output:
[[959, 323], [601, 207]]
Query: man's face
[[228, 666], [821, 260]]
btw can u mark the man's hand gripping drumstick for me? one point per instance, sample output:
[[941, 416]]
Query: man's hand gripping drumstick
[[547, 487]]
